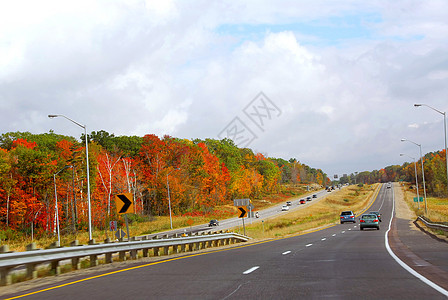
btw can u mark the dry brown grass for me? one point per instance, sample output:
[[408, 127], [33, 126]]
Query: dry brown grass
[[437, 207]]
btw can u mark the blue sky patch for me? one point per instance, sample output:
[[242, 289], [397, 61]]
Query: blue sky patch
[[329, 31]]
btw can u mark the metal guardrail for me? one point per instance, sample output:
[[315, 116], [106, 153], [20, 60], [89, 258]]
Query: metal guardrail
[[31, 259], [433, 225]]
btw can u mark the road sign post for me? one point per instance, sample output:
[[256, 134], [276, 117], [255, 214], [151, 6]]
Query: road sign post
[[113, 225], [243, 214], [125, 204]]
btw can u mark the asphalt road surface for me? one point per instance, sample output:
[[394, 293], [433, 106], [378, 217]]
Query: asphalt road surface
[[339, 262]]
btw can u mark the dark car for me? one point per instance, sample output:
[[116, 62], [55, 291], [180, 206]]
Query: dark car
[[289, 203], [314, 196], [308, 198], [302, 201], [377, 213], [213, 223], [369, 221], [347, 216]]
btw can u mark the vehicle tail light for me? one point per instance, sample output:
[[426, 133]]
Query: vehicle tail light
[[376, 220], [362, 221], [352, 217], [342, 217]]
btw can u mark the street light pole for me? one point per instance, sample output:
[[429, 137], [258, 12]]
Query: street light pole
[[416, 180], [423, 172], [88, 172], [444, 129]]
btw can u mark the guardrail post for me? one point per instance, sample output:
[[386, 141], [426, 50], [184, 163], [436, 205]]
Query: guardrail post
[[122, 255], [190, 247], [31, 247], [55, 245], [74, 243], [93, 260], [156, 251], [175, 248], [182, 248], [55, 267], [31, 272], [76, 263], [4, 249], [145, 252], [6, 278], [166, 250]]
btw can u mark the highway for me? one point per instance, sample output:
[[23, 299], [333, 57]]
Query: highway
[[339, 262], [264, 214]]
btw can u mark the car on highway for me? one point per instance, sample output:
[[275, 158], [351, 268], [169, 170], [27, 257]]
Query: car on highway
[[369, 221], [377, 213], [302, 201], [213, 223], [314, 196], [289, 203], [285, 208], [308, 198], [347, 216]]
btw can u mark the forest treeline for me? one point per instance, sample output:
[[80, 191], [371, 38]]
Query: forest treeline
[[434, 164], [200, 175]]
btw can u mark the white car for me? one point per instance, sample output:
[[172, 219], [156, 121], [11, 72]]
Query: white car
[[285, 207]]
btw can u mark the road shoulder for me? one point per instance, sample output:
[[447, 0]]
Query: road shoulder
[[418, 250]]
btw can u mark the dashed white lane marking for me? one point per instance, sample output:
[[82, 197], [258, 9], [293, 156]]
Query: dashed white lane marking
[[324, 239], [349, 229], [343, 231], [286, 252], [309, 245], [250, 270], [334, 234]]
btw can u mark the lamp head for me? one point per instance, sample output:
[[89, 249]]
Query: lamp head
[[401, 154], [52, 116], [417, 105], [403, 140]]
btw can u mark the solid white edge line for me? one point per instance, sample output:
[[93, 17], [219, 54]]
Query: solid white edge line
[[324, 239], [405, 266], [250, 270], [286, 252]]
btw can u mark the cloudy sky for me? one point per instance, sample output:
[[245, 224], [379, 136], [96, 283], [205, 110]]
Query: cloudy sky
[[331, 83]]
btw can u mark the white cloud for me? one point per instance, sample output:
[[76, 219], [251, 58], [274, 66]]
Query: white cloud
[[163, 67]]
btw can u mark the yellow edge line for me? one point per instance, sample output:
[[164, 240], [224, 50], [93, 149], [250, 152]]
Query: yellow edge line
[[182, 257]]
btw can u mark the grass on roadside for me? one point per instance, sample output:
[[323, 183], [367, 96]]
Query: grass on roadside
[[437, 207]]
